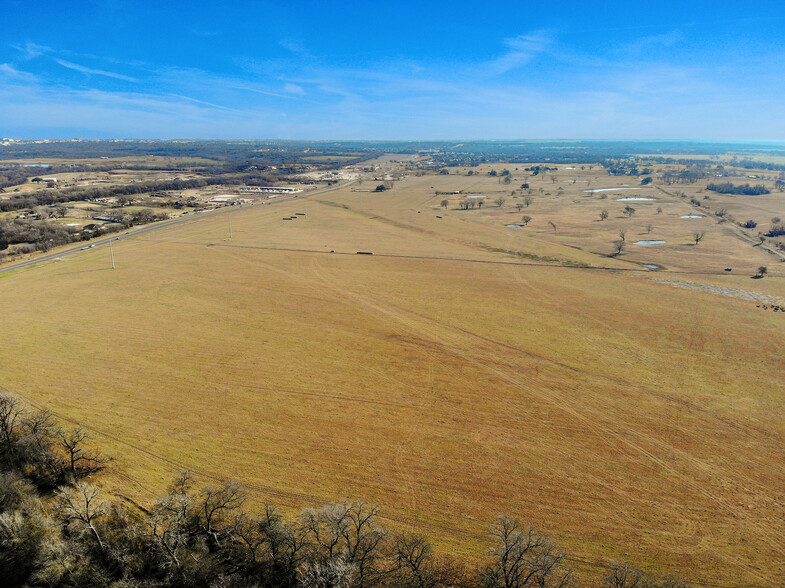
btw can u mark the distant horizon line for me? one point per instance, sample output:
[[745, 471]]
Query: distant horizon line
[[463, 140]]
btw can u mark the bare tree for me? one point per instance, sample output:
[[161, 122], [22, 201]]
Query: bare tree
[[82, 505], [618, 247], [412, 557], [499, 201], [649, 229], [698, 236], [623, 235], [217, 502], [347, 533], [79, 461], [285, 546], [523, 557], [629, 210], [10, 416], [445, 203], [519, 206], [621, 575], [553, 225], [762, 271], [38, 439], [334, 573], [603, 215], [659, 210], [169, 523], [526, 220], [527, 200]]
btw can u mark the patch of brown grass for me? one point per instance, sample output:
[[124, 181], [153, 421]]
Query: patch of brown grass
[[444, 381]]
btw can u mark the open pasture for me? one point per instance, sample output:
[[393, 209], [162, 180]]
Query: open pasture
[[563, 211], [465, 370]]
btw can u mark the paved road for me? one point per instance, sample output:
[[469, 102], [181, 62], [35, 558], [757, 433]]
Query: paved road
[[157, 226]]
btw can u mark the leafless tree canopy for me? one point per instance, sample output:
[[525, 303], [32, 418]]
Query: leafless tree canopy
[[199, 534], [522, 557]]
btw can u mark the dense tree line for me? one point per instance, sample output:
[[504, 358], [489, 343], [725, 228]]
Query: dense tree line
[[88, 193], [43, 235], [752, 164], [37, 234], [278, 153], [13, 176], [59, 530], [283, 152], [745, 189], [685, 176], [718, 163]]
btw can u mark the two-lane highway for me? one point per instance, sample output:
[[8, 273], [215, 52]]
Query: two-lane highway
[[133, 232]]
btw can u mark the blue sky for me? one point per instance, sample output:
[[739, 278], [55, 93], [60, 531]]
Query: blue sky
[[397, 70]]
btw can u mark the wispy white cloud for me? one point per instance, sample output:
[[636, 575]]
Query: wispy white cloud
[[120, 114], [204, 102], [626, 90], [10, 71], [521, 50], [237, 85], [96, 72], [293, 89], [295, 46], [31, 50], [197, 80], [654, 42]]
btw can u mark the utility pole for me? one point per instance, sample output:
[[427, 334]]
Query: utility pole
[[230, 229], [111, 252]]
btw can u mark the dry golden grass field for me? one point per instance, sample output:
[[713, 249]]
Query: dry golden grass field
[[447, 377]]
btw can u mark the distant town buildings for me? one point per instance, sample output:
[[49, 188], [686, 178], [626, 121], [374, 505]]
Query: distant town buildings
[[269, 190]]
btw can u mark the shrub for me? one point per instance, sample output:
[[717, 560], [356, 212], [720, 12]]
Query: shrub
[[746, 189]]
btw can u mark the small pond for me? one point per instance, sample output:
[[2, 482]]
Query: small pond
[[648, 242], [628, 198], [609, 189], [692, 216]]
